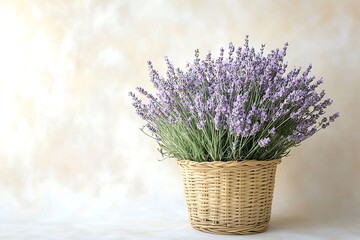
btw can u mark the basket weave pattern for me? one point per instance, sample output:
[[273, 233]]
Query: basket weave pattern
[[232, 197]]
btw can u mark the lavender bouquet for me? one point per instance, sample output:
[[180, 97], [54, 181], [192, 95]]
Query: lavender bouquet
[[245, 105]]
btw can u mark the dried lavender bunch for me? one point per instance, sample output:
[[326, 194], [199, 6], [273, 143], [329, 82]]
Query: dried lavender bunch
[[241, 106]]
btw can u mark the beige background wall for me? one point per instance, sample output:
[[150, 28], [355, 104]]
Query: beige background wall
[[69, 140]]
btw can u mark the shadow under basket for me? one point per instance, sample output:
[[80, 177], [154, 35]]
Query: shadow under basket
[[233, 197]]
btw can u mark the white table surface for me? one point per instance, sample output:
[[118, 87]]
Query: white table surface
[[150, 224]]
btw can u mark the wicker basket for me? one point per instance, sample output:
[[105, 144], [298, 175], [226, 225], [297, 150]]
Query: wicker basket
[[229, 197]]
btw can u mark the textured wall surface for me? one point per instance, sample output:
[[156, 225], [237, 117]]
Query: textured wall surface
[[70, 147]]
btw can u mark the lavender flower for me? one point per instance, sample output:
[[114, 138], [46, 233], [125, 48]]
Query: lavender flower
[[232, 106], [272, 131], [334, 116], [264, 142]]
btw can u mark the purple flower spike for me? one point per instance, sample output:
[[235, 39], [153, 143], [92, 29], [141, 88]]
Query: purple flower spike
[[264, 142]]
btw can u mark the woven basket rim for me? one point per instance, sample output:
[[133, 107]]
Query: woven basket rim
[[229, 163]]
